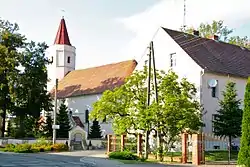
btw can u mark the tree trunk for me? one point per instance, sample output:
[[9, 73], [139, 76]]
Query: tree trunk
[[229, 148]]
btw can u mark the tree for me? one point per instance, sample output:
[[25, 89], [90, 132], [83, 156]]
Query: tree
[[95, 130], [126, 106], [244, 154], [224, 33], [30, 94], [227, 121], [47, 128], [23, 93], [10, 43], [63, 121]]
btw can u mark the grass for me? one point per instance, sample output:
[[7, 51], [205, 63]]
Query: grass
[[220, 155], [137, 161]]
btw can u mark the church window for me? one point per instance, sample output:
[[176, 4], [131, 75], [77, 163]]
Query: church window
[[68, 60]]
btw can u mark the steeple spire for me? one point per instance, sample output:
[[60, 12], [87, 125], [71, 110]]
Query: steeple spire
[[62, 37]]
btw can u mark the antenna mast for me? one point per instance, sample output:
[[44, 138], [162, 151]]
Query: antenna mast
[[184, 16]]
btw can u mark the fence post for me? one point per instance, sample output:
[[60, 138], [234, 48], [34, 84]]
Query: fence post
[[139, 145], [122, 142], [109, 144], [184, 138], [197, 149]]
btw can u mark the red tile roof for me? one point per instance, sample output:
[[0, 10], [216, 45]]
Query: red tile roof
[[78, 121], [214, 56], [62, 36], [94, 80]]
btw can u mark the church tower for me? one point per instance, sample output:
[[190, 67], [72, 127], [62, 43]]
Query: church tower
[[62, 54]]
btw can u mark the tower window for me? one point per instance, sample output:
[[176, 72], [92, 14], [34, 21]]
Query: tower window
[[68, 60]]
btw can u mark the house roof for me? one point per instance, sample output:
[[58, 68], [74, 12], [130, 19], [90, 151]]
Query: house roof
[[94, 80], [62, 37], [214, 56], [78, 121]]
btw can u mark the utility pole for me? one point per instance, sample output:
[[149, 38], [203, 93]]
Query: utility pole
[[156, 90], [55, 112], [148, 101]]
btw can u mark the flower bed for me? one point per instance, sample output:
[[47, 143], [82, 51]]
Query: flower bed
[[40, 146]]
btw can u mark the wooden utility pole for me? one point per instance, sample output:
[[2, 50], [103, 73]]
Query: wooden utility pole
[[148, 101], [156, 89]]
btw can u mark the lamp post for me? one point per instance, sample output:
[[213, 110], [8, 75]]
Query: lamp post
[[55, 111]]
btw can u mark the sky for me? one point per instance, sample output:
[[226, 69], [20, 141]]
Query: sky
[[106, 31]]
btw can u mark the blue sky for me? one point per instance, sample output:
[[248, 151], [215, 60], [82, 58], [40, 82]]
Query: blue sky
[[105, 31]]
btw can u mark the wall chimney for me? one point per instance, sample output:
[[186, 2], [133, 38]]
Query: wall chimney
[[214, 37], [196, 33]]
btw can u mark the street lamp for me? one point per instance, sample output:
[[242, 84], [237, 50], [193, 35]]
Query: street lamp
[[54, 126]]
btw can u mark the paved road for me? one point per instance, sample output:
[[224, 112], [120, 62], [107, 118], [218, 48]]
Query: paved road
[[72, 159], [41, 160]]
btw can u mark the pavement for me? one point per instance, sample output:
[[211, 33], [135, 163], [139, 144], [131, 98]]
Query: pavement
[[72, 159]]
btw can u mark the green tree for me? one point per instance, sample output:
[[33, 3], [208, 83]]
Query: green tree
[[47, 128], [30, 94], [224, 33], [227, 121], [10, 43], [244, 154], [127, 107], [95, 130], [63, 121]]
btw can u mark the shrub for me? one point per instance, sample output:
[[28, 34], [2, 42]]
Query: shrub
[[23, 148], [59, 147], [124, 155], [9, 148]]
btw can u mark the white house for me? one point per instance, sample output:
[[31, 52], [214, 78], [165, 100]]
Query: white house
[[81, 88], [202, 61]]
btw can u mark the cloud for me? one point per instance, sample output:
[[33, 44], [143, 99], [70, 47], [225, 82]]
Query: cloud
[[169, 13]]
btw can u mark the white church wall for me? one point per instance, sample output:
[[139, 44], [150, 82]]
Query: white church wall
[[78, 105]]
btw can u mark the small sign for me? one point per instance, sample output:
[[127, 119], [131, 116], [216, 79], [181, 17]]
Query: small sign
[[55, 126]]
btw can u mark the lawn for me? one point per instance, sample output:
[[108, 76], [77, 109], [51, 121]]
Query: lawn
[[220, 155]]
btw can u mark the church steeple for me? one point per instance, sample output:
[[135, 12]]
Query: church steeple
[[62, 37]]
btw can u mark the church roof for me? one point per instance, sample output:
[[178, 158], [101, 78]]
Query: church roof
[[62, 37], [94, 80]]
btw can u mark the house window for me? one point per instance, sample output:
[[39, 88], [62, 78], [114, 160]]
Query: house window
[[68, 60], [213, 91], [172, 60], [87, 116]]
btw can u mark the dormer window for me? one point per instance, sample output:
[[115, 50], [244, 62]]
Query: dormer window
[[68, 60]]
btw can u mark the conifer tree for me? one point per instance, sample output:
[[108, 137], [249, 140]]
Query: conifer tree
[[227, 121], [95, 130], [47, 128], [244, 154], [63, 121]]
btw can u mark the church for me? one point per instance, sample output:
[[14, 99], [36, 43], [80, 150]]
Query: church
[[82, 87]]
